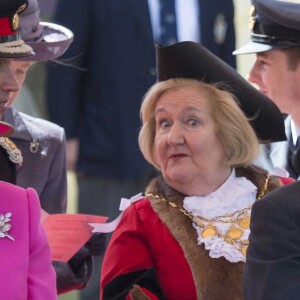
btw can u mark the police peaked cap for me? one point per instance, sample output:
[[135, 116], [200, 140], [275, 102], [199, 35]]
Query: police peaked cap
[[274, 24]]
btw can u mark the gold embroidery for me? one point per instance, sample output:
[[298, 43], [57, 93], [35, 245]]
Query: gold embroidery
[[14, 154]]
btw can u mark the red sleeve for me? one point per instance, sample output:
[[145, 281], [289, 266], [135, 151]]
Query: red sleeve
[[128, 250], [120, 257], [287, 180]]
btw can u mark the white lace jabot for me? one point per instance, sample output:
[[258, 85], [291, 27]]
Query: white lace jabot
[[235, 195]]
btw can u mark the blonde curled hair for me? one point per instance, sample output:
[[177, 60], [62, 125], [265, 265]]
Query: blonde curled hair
[[233, 128]]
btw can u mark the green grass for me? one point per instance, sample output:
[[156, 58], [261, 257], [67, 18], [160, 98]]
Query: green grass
[[72, 208]]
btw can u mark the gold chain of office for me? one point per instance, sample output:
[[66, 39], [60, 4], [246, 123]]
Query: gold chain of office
[[239, 220]]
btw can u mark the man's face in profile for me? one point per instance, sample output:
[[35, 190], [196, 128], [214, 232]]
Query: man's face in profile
[[8, 83]]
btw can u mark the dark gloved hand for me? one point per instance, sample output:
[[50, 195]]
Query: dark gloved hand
[[79, 259], [96, 245]]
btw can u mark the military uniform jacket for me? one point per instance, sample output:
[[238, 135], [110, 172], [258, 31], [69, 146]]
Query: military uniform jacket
[[43, 147]]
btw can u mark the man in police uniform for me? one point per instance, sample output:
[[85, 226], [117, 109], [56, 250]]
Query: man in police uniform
[[276, 42], [273, 257]]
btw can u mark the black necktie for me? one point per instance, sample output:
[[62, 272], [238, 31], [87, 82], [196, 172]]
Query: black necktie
[[168, 27], [295, 158]]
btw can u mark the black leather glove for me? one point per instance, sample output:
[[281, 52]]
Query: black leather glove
[[74, 275], [78, 259], [97, 244]]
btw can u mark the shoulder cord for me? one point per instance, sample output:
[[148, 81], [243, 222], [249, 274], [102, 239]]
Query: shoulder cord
[[13, 152]]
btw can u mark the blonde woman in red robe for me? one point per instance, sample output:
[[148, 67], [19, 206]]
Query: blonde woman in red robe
[[187, 237]]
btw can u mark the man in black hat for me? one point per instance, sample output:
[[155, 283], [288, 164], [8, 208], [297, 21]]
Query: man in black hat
[[273, 264], [275, 39]]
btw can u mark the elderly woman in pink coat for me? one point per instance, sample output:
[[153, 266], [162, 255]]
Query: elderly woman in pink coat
[[25, 259]]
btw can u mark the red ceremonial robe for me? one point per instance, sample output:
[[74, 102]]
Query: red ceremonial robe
[[155, 247]]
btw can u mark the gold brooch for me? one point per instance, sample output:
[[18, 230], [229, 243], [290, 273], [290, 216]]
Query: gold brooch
[[34, 146], [5, 226]]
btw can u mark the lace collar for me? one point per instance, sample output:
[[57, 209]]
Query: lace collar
[[222, 218]]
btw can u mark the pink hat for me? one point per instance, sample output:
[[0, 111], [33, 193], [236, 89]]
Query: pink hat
[[48, 40]]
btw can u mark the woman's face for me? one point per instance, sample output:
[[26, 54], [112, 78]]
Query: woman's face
[[20, 69], [187, 147]]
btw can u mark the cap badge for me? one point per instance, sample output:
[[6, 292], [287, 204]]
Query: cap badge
[[15, 22], [15, 18], [252, 14]]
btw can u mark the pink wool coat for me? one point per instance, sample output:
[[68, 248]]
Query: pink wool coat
[[25, 262]]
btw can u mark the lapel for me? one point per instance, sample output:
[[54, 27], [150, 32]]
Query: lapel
[[139, 11], [12, 116], [279, 150]]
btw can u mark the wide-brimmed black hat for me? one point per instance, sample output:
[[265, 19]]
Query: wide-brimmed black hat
[[191, 60], [275, 24], [11, 45], [48, 40]]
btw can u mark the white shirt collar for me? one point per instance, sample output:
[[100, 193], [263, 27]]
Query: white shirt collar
[[295, 132]]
